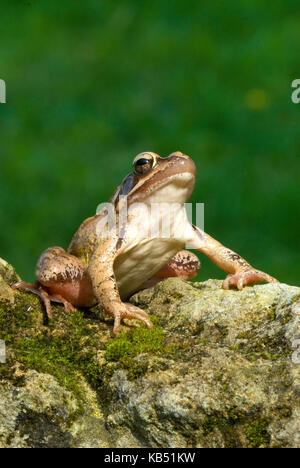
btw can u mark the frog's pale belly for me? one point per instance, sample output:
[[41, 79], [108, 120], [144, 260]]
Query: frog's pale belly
[[141, 261]]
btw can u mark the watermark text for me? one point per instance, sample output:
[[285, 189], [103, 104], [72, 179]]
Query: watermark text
[[2, 92], [2, 352], [149, 221], [296, 93]]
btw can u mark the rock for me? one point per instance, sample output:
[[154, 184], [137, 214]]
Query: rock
[[39, 413], [8, 273], [8, 277], [34, 414], [218, 369]]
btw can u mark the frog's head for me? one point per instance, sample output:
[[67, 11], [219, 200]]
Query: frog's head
[[156, 179]]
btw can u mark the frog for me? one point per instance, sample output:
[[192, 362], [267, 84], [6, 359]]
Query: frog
[[107, 262]]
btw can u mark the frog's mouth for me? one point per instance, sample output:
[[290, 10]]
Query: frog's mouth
[[177, 188]]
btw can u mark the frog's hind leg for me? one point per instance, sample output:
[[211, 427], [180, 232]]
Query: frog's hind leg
[[38, 289], [61, 277], [185, 265]]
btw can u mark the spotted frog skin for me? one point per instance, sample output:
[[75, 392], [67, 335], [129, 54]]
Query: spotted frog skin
[[106, 264]]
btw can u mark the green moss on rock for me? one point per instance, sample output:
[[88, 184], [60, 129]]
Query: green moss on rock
[[53, 349], [136, 341], [63, 355], [214, 362], [130, 344], [257, 432]]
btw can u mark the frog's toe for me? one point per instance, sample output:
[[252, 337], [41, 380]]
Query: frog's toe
[[247, 277], [36, 289], [27, 286], [128, 311], [117, 323], [135, 313], [67, 305], [135, 309]]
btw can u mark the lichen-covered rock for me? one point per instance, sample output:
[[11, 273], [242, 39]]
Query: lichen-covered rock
[[218, 369], [37, 412], [8, 276], [8, 273], [228, 377]]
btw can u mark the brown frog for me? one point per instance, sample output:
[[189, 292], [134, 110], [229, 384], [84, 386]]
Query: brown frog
[[108, 261]]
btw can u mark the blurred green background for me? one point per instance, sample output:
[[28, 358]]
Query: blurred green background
[[91, 84]]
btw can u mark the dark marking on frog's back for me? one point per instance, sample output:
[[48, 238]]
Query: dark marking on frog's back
[[119, 243]]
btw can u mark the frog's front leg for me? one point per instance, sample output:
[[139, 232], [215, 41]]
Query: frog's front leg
[[105, 287], [240, 272]]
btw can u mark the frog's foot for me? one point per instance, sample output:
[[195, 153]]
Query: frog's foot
[[245, 277], [58, 298], [130, 312], [38, 291], [46, 298]]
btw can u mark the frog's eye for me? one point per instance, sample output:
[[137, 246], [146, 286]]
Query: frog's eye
[[143, 163]]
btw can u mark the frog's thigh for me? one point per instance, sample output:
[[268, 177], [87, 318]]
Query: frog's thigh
[[184, 265], [65, 275]]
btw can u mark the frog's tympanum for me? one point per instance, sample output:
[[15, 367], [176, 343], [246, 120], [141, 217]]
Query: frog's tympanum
[[107, 262]]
